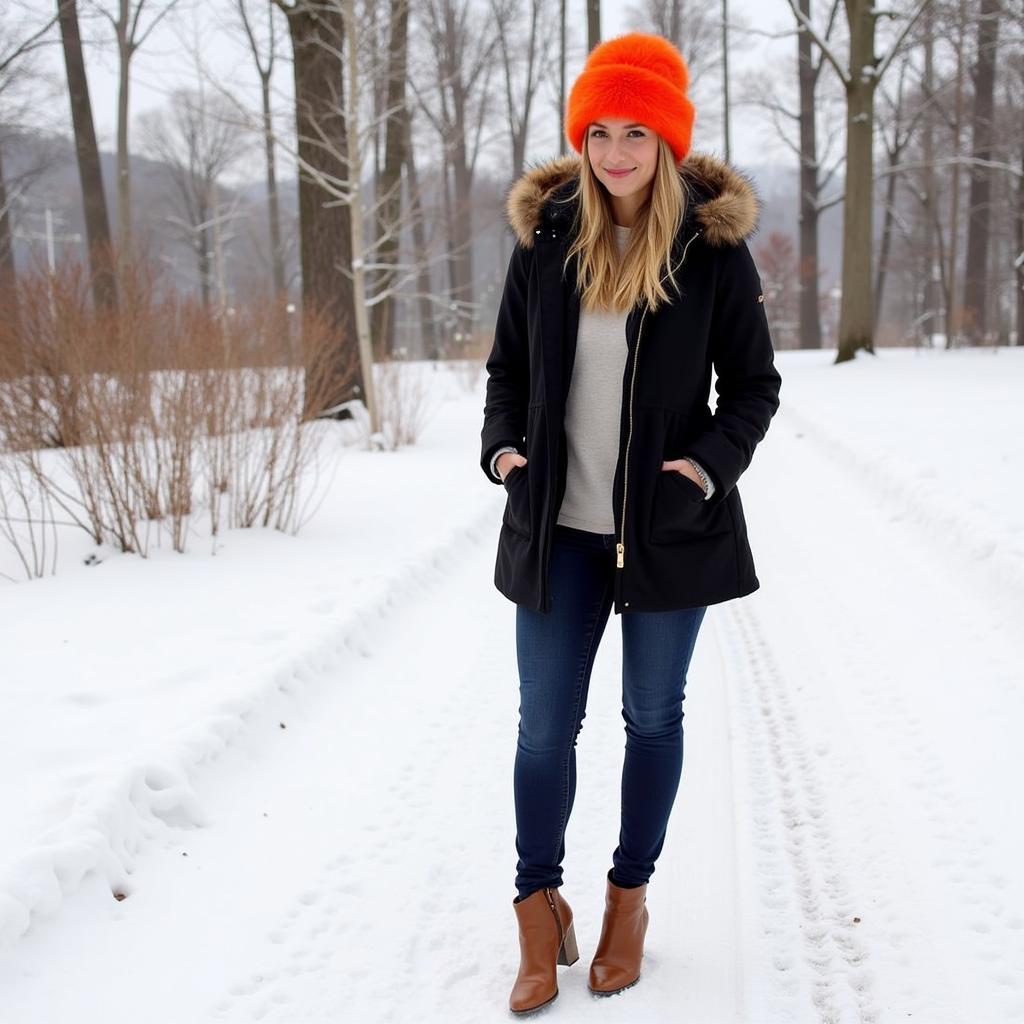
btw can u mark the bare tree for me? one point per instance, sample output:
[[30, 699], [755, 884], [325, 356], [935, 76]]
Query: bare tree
[[461, 56], [396, 152], [97, 224], [130, 36], [927, 187], [8, 274], [899, 127], [939, 102], [798, 126], [975, 310], [356, 205], [960, 37], [525, 56], [265, 71], [562, 95], [20, 40], [860, 75], [378, 220], [811, 181], [426, 313], [726, 133], [593, 23], [318, 46], [198, 140], [1015, 105]]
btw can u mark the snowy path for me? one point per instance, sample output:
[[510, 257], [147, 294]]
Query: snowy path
[[358, 864]]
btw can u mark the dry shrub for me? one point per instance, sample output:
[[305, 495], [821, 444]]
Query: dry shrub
[[26, 518], [256, 441], [157, 408], [401, 399]]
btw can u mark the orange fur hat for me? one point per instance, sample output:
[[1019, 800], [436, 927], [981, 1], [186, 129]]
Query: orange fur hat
[[635, 75]]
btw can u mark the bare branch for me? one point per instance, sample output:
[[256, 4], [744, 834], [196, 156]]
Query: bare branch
[[32, 42], [821, 42], [898, 43]]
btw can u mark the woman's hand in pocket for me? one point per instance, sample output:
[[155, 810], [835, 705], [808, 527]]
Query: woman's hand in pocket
[[684, 467], [508, 460]]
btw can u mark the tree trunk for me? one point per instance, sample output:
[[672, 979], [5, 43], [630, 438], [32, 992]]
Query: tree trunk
[[218, 254], [725, 81], [318, 36], [428, 332], [560, 133], [273, 206], [8, 276], [857, 308], [807, 270], [929, 254], [356, 220], [447, 322], [124, 179], [889, 206], [387, 251], [883, 252], [90, 175], [462, 230], [519, 116], [1020, 249], [979, 204], [953, 246], [204, 254]]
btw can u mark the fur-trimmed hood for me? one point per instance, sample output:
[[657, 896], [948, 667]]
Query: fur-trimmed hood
[[722, 201]]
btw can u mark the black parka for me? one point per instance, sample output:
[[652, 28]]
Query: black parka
[[673, 548]]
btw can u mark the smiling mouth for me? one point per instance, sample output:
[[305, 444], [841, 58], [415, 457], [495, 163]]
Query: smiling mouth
[[622, 170]]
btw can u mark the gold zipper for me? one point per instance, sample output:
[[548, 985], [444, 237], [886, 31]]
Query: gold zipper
[[620, 548]]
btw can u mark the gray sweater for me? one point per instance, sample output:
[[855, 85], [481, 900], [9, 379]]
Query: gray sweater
[[592, 434], [591, 428]]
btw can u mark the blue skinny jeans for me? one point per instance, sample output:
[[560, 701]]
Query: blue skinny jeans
[[555, 653]]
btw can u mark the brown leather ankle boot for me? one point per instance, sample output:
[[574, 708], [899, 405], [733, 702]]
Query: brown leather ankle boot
[[547, 937], [616, 963]]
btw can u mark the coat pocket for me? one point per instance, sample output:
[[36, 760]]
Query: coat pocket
[[517, 506], [679, 512]]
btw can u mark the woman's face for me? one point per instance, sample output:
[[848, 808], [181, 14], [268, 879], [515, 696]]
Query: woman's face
[[620, 144]]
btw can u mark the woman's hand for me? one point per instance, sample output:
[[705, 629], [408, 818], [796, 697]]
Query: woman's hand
[[510, 460], [684, 467]]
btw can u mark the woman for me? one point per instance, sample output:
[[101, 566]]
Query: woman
[[630, 279]]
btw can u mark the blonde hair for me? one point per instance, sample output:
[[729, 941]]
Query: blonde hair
[[606, 280]]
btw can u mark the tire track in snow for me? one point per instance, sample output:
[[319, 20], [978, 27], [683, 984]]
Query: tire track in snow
[[795, 846], [961, 895]]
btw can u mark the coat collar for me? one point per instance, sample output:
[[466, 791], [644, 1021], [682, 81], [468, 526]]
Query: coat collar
[[722, 200]]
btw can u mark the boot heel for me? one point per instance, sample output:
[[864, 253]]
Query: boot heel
[[568, 953]]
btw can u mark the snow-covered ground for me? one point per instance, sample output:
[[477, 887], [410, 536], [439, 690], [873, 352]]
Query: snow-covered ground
[[293, 760]]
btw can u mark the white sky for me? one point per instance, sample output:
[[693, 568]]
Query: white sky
[[165, 63]]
